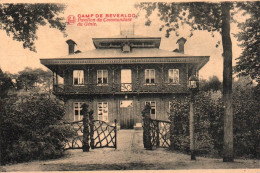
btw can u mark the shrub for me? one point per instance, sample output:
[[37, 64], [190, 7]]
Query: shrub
[[246, 99], [180, 123], [209, 113], [32, 128], [207, 117]]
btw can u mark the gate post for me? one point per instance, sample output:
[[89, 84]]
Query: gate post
[[172, 135], [91, 119], [157, 134], [115, 134], [147, 127], [85, 145]]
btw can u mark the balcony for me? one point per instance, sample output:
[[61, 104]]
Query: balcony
[[120, 88]]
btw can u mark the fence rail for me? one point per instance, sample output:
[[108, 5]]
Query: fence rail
[[157, 134], [160, 133], [101, 135], [118, 88], [76, 142]]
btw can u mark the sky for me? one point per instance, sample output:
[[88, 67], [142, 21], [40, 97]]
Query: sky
[[51, 43]]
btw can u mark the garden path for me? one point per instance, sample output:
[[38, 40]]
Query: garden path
[[130, 155]]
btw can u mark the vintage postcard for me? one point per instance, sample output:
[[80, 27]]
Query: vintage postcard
[[129, 86]]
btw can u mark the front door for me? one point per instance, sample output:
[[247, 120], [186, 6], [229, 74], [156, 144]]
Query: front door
[[126, 117]]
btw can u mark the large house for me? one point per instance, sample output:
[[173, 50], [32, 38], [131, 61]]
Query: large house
[[122, 75]]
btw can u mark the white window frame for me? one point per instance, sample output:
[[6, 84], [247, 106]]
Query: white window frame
[[78, 76], [172, 76], [79, 109], [104, 111], [102, 77], [150, 102], [149, 77]]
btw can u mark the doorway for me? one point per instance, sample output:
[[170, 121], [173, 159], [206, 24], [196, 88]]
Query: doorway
[[126, 117]]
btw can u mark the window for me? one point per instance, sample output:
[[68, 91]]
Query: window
[[173, 75], [102, 109], [126, 103], [78, 111], [78, 77], [149, 76], [153, 108], [102, 76]]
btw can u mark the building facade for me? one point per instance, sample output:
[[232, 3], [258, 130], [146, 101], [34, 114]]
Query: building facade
[[122, 75]]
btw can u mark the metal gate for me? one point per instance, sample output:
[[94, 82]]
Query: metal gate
[[101, 135]]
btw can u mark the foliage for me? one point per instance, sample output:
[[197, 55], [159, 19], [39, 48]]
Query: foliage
[[247, 118], [248, 63], [209, 122], [21, 21], [199, 15], [33, 128], [213, 84], [179, 116], [29, 79], [5, 84]]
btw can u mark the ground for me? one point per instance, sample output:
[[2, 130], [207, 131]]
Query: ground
[[130, 155]]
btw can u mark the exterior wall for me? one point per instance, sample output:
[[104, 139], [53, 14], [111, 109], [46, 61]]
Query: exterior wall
[[114, 110], [126, 117], [138, 78]]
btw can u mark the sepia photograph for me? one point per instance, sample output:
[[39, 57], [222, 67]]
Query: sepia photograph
[[129, 86]]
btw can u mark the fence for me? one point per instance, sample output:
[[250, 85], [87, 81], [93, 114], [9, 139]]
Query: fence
[[90, 133]]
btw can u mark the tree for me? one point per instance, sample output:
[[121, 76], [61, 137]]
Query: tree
[[21, 21], [210, 17], [5, 84], [249, 62], [37, 78], [212, 84]]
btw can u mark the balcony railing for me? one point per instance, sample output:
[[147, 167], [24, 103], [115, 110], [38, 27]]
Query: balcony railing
[[120, 88]]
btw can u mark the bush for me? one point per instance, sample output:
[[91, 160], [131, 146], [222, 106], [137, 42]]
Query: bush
[[180, 124], [246, 99], [209, 113], [207, 124], [33, 128]]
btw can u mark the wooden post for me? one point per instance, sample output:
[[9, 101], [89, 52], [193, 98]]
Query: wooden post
[[147, 128], [157, 134], [115, 134], [85, 145], [192, 124], [91, 119]]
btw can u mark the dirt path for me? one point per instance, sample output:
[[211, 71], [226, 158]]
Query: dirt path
[[130, 155]]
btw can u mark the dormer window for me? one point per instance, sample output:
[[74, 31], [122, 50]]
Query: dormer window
[[126, 48]]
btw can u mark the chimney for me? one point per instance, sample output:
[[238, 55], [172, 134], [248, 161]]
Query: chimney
[[181, 43], [71, 44]]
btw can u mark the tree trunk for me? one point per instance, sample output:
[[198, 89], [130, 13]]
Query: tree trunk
[[1, 120], [227, 84]]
